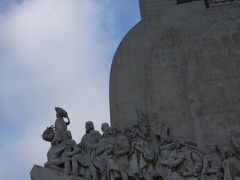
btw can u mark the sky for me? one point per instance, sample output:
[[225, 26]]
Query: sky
[[54, 53]]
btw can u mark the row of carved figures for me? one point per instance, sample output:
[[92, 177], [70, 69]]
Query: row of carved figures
[[136, 153]]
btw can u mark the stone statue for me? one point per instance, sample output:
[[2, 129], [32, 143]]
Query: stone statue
[[63, 154], [105, 129], [165, 147], [60, 125], [212, 164], [83, 158], [117, 155], [192, 164], [178, 70], [182, 163], [231, 165], [169, 168], [167, 144], [57, 135], [137, 154], [100, 164], [141, 154]]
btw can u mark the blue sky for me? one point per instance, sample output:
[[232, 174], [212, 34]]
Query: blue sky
[[54, 53]]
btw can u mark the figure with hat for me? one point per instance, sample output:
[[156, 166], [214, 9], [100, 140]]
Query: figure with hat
[[60, 125]]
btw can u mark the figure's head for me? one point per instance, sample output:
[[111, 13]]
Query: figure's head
[[105, 128], [114, 131], [110, 148], [61, 113], [227, 152], [134, 131], [89, 126], [213, 147]]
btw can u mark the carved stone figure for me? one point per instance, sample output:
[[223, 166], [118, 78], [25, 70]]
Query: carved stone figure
[[166, 167], [117, 155], [136, 154], [141, 155], [192, 164], [100, 164], [57, 135], [87, 147], [167, 144], [105, 129], [231, 165], [212, 164], [63, 154], [183, 163], [60, 125]]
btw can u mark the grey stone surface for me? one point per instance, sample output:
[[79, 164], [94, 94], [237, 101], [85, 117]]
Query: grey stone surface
[[41, 173], [138, 153], [181, 66], [174, 99], [83, 159]]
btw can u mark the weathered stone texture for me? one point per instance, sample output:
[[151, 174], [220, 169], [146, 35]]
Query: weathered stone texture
[[177, 71], [153, 8], [182, 67], [41, 173]]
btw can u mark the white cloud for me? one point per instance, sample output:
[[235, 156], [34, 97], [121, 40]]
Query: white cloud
[[53, 53]]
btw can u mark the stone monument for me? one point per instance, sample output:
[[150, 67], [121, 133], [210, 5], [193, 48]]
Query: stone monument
[[181, 66], [174, 101]]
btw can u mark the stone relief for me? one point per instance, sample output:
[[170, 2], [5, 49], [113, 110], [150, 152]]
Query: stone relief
[[137, 153]]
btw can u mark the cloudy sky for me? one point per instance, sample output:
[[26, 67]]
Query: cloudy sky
[[54, 53]]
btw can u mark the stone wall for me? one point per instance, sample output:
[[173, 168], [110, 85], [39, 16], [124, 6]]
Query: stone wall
[[181, 67], [150, 8]]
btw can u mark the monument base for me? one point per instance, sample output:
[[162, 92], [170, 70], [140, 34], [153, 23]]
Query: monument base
[[41, 173]]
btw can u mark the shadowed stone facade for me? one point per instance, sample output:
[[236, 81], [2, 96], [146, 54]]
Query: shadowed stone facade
[[181, 66]]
